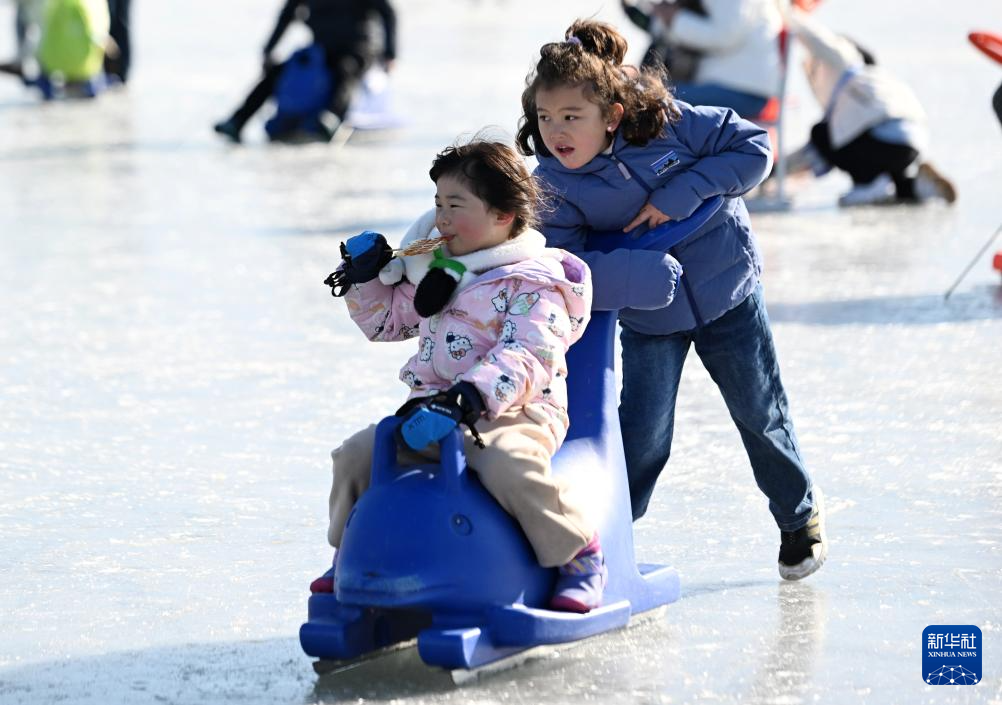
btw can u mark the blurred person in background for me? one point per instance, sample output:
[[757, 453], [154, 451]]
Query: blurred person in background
[[116, 65], [27, 21], [344, 29], [717, 52], [73, 39], [873, 127], [62, 45], [997, 103]]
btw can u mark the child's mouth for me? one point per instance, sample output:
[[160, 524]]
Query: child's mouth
[[563, 150]]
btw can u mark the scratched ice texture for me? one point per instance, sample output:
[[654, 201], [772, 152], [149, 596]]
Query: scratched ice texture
[[173, 375]]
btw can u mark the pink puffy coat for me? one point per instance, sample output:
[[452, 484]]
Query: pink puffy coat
[[507, 329]]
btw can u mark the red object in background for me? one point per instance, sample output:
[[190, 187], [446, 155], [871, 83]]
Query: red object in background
[[990, 44], [807, 5], [997, 262]]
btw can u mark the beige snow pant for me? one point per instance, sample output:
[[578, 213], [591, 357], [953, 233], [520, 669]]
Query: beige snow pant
[[514, 468]]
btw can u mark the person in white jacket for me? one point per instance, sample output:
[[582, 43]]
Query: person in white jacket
[[737, 45], [873, 126], [27, 23]]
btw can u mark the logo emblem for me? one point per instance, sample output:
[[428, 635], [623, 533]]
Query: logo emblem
[[662, 165], [951, 654]]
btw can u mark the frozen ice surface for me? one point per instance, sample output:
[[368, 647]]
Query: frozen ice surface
[[173, 374]]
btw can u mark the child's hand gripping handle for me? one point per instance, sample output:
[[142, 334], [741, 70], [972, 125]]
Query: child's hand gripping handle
[[362, 258], [663, 237], [430, 419]]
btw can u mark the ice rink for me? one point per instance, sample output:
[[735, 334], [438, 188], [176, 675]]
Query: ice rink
[[173, 375]]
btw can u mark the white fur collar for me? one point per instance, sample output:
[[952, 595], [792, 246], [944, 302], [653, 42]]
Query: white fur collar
[[529, 245]]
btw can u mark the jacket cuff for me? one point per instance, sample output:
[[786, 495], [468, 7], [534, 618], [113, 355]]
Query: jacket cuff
[[392, 273], [678, 202]]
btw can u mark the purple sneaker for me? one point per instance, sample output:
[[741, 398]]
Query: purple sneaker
[[580, 583]]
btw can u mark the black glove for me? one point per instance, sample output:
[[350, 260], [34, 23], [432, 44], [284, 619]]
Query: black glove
[[465, 397], [438, 285], [364, 255], [429, 419]]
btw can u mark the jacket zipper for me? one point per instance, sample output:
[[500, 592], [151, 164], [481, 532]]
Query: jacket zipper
[[625, 169]]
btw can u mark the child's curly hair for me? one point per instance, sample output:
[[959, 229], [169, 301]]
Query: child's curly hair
[[496, 174], [592, 57]]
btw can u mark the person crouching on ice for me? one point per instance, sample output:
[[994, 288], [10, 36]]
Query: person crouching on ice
[[494, 310]]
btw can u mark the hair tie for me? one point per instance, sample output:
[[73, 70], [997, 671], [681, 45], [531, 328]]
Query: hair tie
[[572, 40]]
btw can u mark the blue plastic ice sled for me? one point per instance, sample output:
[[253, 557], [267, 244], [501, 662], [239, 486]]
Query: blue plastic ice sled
[[303, 91], [428, 553]]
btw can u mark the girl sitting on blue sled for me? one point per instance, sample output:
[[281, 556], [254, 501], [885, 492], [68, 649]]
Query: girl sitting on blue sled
[[495, 311]]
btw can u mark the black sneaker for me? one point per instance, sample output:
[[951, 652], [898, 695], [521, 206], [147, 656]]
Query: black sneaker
[[326, 125], [229, 128], [803, 551]]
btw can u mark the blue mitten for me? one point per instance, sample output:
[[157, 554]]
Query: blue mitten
[[431, 419], [425, 424], [363, 256]]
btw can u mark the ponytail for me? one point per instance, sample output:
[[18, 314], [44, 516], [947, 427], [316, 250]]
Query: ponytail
[[599, 39]]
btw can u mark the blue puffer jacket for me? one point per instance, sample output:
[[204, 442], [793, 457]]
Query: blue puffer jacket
[[709, 152]]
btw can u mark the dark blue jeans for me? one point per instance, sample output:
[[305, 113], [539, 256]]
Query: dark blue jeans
[[738, 352]]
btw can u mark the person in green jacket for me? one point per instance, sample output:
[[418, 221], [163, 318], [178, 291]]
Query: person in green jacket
[[74, 38]]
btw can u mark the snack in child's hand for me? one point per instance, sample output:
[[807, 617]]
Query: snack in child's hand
[[420, 247]]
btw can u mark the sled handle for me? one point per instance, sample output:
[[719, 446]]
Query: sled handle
[[663, 237], [384, 451], [385, 468], [453, 465]]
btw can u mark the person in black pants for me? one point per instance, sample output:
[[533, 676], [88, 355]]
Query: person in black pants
[[997, 103], [343, 29], [116, 64], [873, 128], [867, 157]]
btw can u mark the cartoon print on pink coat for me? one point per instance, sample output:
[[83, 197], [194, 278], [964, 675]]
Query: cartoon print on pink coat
[[501, 301], [504, 389], [459, 345], [523, 303], [427, 345], [473, 321], [508, 330], [410, 379], [552, 325]]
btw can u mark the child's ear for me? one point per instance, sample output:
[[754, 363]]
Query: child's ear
[[615, 116], [504, 218]]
